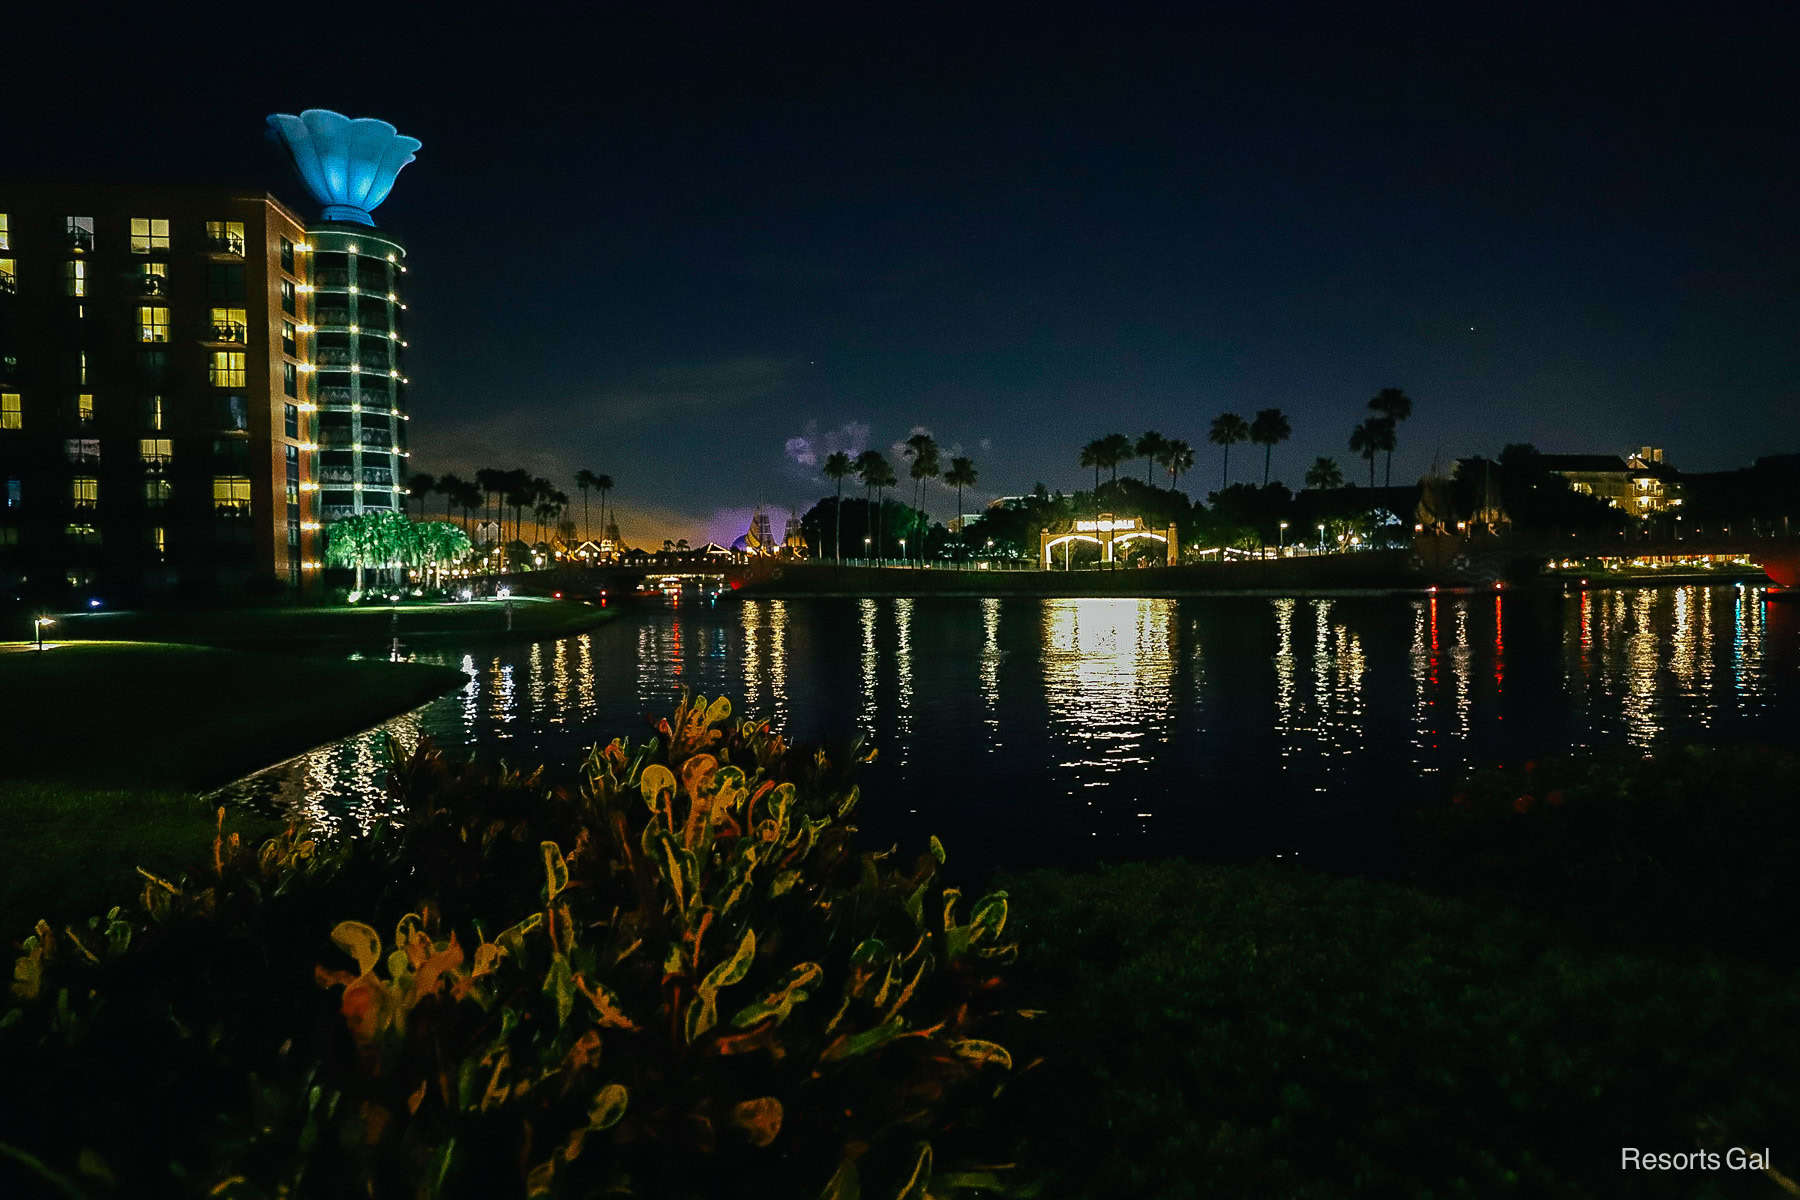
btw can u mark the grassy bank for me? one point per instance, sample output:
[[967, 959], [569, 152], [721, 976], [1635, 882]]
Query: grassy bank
[[337, 627], [1261, 1032], [105, 744]]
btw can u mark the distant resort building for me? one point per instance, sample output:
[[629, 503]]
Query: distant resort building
[[1641, 483]]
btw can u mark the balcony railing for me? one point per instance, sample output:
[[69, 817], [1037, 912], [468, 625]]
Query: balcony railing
[[231, 332], [332, 358], [8, 285], [79, 239], [153, 285], [332, 279], [226, 243], [337, 474], [336, 395], [331, 316], [232, 510], [333, 512]]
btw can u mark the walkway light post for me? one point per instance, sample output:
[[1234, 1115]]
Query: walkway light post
[[903, 557], [866, 542], [1280, 539], [1321, 537], [37, 625]]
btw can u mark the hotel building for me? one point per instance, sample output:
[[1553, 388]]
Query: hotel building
[[194, 382]]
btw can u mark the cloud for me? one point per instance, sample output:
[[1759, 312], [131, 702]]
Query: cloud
[[809, 447]]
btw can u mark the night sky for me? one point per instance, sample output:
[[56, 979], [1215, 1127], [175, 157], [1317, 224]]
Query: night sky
[[698, 253]]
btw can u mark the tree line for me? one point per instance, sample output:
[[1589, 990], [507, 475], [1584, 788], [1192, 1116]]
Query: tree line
[[495, 491]]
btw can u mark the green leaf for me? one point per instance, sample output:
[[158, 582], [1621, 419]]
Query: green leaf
[[779, 1002], [937, 850], [989, 918], [851, 1045], [556, 870], [982, 1053], [844, 1184], [559, 985], [608, 1106], [759, 1119], [734, 970], [656, 780], [920, 1179], [783, 883], [359, 942], [702, 1015]]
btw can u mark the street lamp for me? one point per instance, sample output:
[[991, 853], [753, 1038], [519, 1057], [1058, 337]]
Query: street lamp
[[37, 625], [903, 550], [1280, 539], [866, 542], [1321, 537]]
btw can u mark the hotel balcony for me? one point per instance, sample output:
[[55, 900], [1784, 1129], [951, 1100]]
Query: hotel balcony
[[8, 285], [152, 285], [226, 243], [79, 240], [230, 334], [337, 281]]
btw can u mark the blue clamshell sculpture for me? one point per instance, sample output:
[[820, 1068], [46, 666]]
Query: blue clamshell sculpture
[[348, 164]]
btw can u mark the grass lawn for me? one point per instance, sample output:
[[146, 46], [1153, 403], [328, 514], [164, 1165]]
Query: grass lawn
[[335, 627], [1231, 1031], [106, 742]]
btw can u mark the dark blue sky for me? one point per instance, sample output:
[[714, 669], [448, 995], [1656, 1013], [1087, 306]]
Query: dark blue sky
[[689, 253]]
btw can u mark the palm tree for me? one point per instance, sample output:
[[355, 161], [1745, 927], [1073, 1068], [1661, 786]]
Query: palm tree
[[448, 486], [1324, 475], [1227, 430], [1117, 450], [1394, 406], [469, 497], [1150, 448], [922, 448], [584, 480], [838, 468], [1094, 455], [492, 482], [519, 493], [419, 487], [604, 484], [884, 478], [1370, 438], [960, 475], [1269, 427], [1177, 457], [871, 469]]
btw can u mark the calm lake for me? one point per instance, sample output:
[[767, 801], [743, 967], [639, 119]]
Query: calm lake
[[1041, 731]]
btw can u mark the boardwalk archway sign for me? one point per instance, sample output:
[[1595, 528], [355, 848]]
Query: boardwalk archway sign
[[1107, 532]]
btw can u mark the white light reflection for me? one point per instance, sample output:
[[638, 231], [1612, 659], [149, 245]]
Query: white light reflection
[[1109, 669], [990, 669]]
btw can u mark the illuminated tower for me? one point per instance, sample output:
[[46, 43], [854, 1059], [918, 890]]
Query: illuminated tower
[[356, 308]]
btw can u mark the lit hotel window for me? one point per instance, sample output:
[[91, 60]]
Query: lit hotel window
[[82, 450], [153, 412], [229, 325], [159, 540], [8, 283], [75, 278], [287, 256], [225, 237], [84, 408], [149, 233], [80, 233], [231, 495], [12, 412], [5, 233], [227, 369], [84, 491], [156, 492], [155, 452], [154, 279], [153, 323]]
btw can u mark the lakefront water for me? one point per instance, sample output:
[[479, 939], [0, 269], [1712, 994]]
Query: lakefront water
[[1031, 731]]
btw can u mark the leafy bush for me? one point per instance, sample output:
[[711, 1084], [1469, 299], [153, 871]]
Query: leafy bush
[[678, 978], [1691, 844]]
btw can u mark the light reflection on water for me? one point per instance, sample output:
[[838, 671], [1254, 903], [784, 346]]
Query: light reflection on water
[[1071, 728]]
